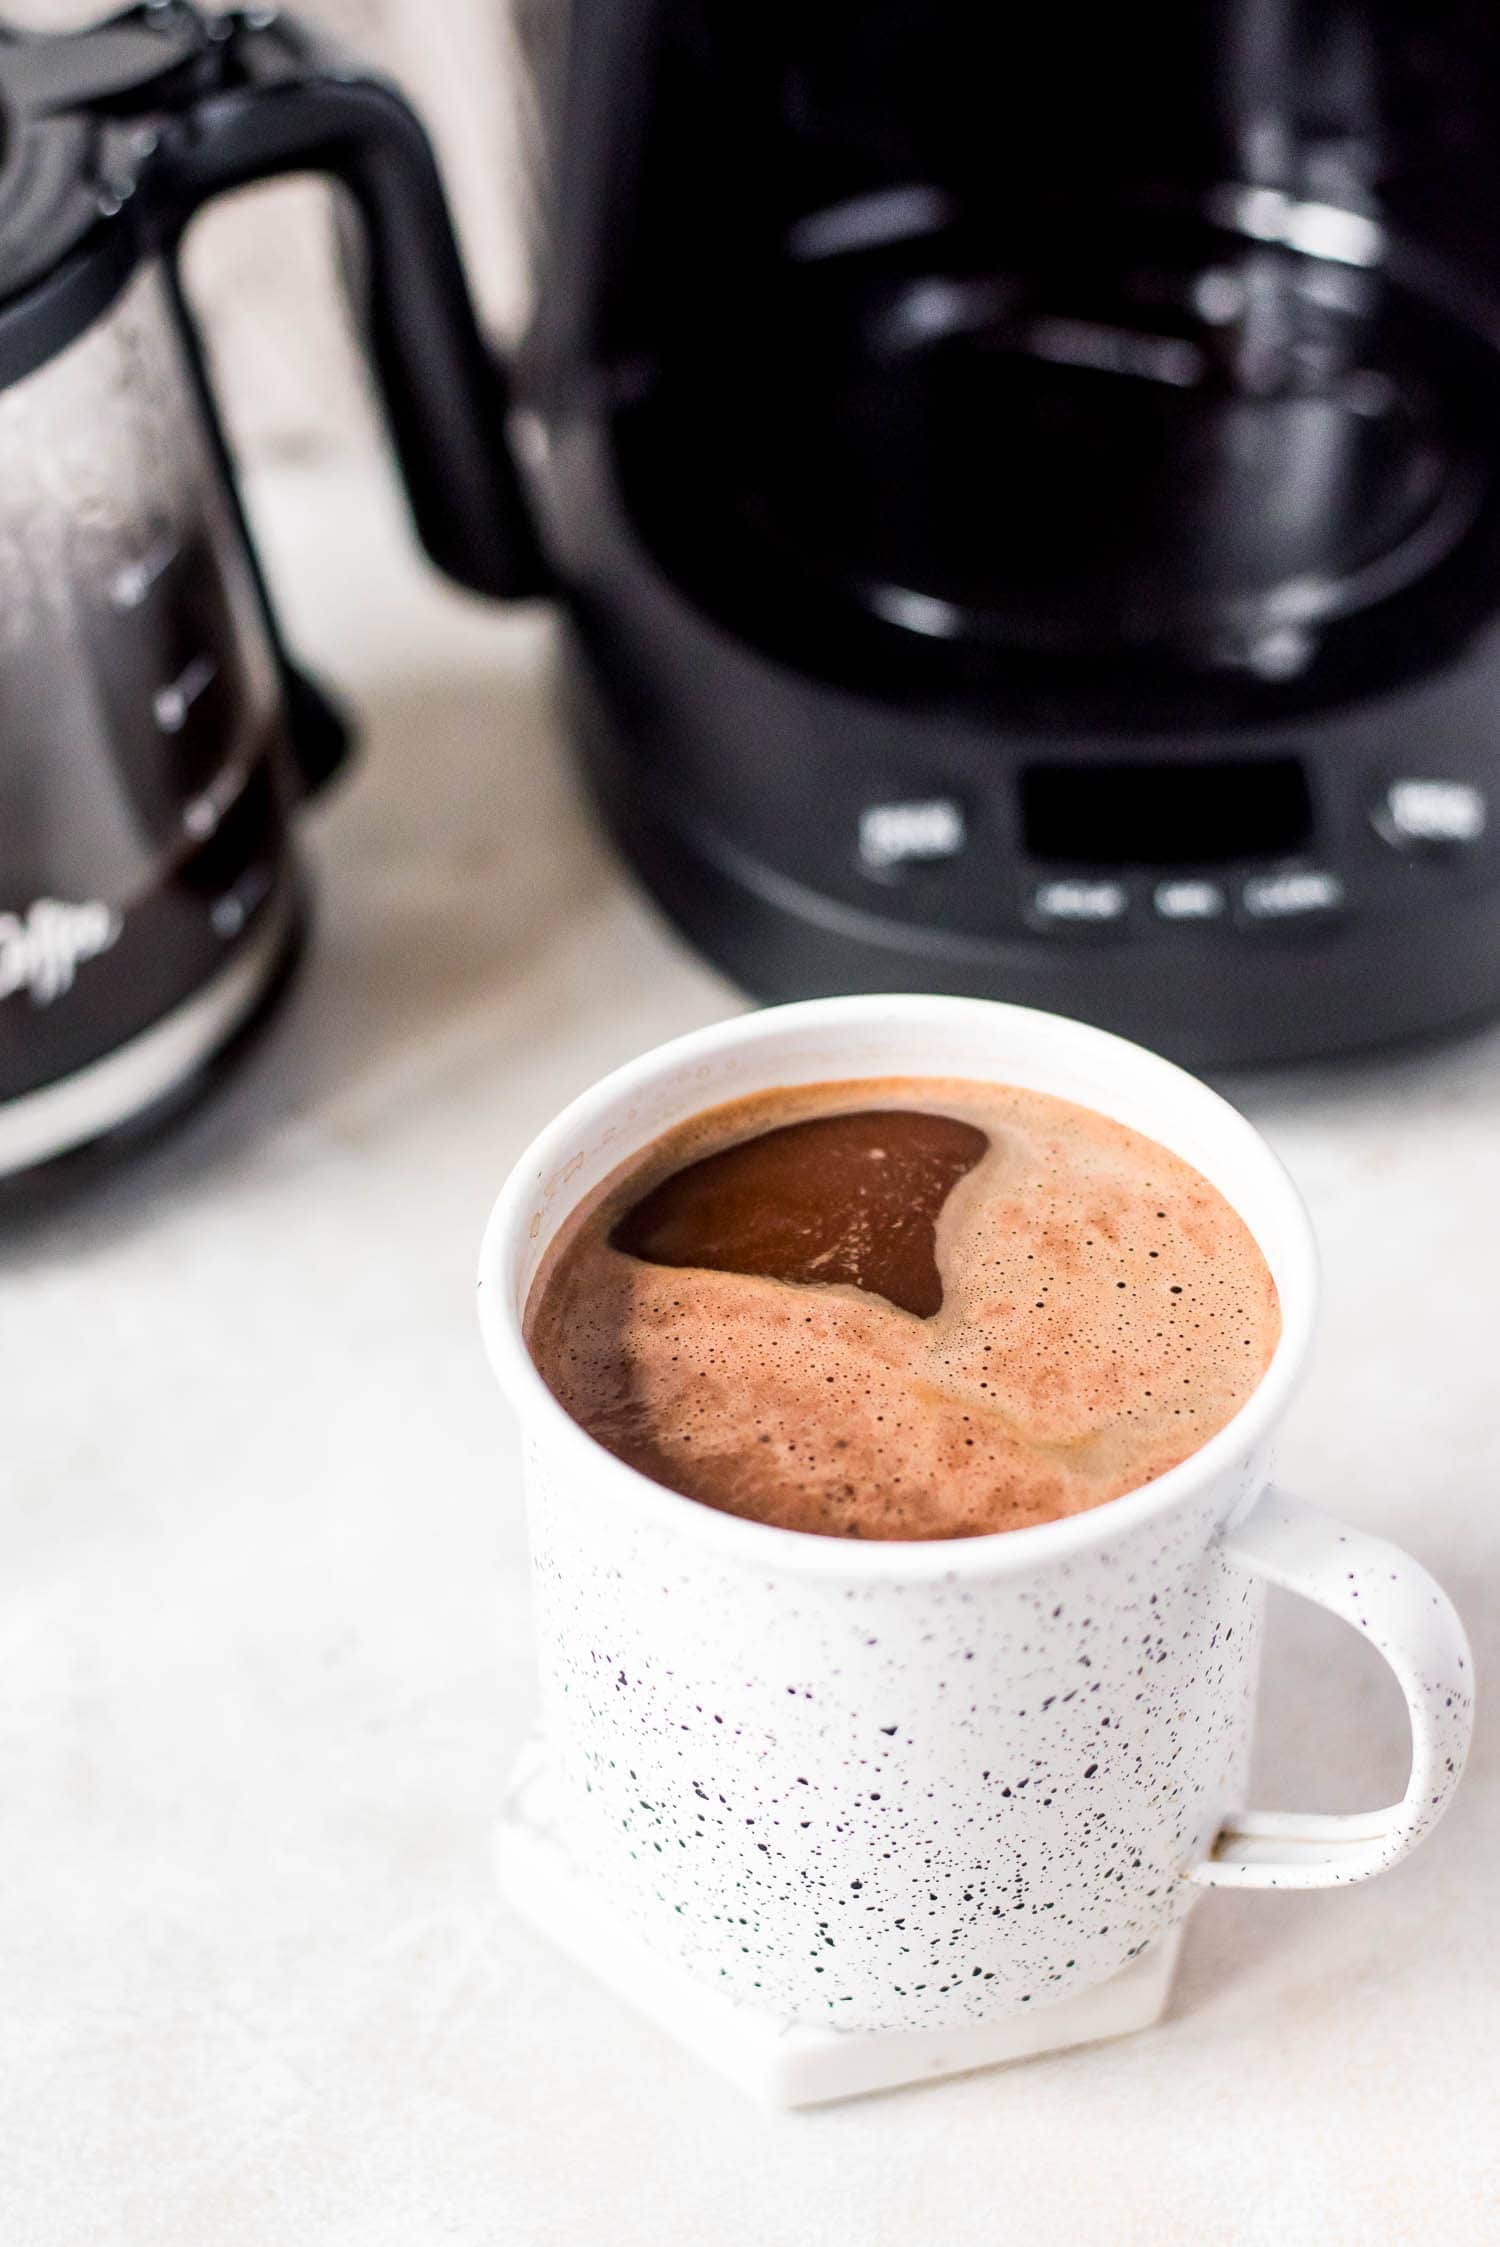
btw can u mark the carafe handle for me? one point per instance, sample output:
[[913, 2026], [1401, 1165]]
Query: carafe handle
[[278, 99]]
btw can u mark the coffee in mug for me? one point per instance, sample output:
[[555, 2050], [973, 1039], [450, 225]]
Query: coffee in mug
[[904, 1308]]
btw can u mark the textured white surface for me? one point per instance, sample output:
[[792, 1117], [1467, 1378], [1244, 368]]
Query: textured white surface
[[264, 1654]]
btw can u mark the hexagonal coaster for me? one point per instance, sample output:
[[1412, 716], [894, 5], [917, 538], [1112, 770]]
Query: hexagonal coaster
[[786, 2063]]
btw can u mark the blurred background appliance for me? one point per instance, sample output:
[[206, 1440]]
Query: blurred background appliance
[[1026, 501], [154, 737], [1023, 508]]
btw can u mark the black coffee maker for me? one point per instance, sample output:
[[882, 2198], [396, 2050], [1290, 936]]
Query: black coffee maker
[[1027, 494]]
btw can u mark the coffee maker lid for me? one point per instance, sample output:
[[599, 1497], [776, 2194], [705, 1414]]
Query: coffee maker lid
[[75, 145]]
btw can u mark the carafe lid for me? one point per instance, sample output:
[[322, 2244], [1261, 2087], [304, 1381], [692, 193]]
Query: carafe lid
[[76, 143]]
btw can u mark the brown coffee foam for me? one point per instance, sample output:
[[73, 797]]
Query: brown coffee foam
[[1104, 1313]]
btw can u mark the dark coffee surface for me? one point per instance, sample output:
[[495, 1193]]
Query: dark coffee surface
[[846, 1198], [903, 1308]]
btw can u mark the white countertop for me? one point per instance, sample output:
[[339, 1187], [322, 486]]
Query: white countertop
[[264, 1642]]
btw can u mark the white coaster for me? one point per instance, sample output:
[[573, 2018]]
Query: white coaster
[[787, 2063]]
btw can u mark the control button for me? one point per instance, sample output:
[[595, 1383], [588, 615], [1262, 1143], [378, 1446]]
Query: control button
[[1288, 895], [1189, 900], [1079, 901], [1430, 815], [914, 833]]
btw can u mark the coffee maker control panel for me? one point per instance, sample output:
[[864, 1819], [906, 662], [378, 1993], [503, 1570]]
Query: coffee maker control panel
[[1231, 847]]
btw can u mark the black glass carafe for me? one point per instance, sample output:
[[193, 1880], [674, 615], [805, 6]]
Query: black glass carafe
[[155, 739]]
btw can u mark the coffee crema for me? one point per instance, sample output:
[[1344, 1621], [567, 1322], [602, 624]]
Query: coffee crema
[[903, 1308]]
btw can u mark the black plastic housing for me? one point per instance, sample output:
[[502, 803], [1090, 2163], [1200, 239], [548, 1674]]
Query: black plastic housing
[[931, 413]]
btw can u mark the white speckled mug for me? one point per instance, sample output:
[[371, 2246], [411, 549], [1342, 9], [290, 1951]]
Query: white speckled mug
[[916, 1786]]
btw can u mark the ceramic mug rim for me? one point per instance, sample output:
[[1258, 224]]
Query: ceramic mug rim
[[806, 1553]]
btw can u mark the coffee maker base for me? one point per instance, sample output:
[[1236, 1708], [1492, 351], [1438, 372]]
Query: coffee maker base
[[1259, 997], [787, 2063], [48, 1134]]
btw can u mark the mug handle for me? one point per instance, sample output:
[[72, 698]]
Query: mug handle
[[1410, 1620]]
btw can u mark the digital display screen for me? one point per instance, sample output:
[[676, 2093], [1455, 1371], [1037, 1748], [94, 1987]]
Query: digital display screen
[[1166, 815]]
